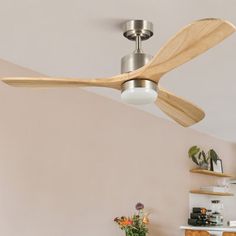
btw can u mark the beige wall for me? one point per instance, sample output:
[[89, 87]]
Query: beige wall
[[70, 161]]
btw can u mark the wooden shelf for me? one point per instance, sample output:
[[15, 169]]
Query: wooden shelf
[[212, 173], [211, 193]]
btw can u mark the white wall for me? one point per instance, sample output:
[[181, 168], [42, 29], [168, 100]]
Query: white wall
[[70, 161]]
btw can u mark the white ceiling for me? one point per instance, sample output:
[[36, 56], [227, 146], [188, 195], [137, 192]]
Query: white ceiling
[[78, 38]]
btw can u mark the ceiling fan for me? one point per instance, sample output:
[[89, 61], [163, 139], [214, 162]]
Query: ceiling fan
[[141, 73]]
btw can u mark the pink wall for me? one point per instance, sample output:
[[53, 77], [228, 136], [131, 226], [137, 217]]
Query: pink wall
[[70, 161]]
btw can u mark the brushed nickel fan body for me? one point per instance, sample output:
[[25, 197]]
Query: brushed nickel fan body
[[138, 31], [141, 73]]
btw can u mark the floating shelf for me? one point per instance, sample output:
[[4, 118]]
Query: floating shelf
[[211, 193], [209, 172]]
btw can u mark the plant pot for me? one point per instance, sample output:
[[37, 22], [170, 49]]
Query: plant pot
[[204, 166], [141, 234]]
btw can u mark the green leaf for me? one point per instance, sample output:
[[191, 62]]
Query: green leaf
[[213, 155], [195, 160], [203, 154], [204, 157], [199, 156], [193, 151]]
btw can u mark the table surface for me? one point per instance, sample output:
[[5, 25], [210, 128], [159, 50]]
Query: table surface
[[210, 228]]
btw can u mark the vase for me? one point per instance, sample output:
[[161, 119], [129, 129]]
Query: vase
[[137, 234]]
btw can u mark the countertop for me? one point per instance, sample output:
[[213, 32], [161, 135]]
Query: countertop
[[210, 228]]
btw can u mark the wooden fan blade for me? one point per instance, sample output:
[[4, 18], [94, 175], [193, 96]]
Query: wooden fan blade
[[113, 82], [180, 110], [191, 41]]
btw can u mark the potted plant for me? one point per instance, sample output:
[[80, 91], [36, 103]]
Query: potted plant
[[137, 224], [200, 158]]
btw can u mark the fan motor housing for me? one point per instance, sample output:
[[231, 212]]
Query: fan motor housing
[[139, 83], [136, 30], [134, 61]]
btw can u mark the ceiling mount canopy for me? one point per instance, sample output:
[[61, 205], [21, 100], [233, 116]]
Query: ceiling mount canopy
[[138, 28], [141, 73]]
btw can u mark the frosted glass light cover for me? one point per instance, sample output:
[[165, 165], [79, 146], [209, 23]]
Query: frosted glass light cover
[[139, 96]]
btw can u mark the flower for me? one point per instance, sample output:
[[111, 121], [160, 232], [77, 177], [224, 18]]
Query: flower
[[130, 222], [126, 222], [145, 219], [137, 224], [139, 206]]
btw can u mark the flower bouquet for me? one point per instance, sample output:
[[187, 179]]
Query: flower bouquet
[[135, 225]]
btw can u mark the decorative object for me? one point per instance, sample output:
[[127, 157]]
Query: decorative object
[[215, 188], [217, 166], [198, 217], [216, 215], [231, 223], [201, 158], [136, 225]]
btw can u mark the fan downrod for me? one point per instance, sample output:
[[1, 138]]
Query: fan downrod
[[138, 31]]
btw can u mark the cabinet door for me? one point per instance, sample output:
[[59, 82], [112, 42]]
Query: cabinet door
[[199, 233], [229, 233]]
